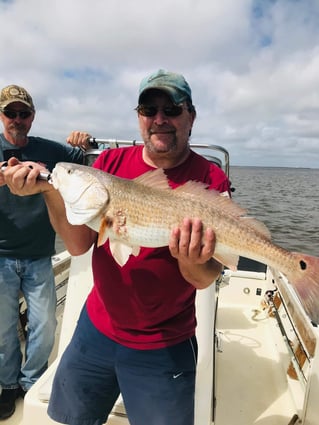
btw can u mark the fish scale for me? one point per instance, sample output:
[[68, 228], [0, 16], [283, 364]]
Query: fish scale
[[145, 223]]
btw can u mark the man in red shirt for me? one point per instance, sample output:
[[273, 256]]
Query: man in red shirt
[[136, 332]]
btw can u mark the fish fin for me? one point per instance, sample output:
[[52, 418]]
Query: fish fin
[[198, 190], [223, 203], [122, 252], [226, 257], [258, 226], [156, 179], [102, 238], [105, 224]]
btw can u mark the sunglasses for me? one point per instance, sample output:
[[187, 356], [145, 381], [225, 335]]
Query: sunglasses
[[151, 111], [14, 114]]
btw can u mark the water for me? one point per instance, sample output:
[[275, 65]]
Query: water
[[285, 199]]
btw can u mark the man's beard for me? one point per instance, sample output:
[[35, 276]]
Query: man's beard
[[166, 147], [18, 134]]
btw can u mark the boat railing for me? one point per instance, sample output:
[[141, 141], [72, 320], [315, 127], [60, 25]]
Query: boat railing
[[213, 153]]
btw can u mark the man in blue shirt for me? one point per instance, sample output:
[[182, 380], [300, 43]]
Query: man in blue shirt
[[27, 242]]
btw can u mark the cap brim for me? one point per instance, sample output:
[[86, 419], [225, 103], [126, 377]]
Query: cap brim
[[173, 94], [8, 102]]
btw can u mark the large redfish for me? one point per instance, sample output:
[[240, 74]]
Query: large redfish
[[143, 212]]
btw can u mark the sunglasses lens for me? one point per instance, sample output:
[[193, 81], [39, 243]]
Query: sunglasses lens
[[13, 114], [173, 111], [151, 111], [147, 111], [25, 114], [9, 114]]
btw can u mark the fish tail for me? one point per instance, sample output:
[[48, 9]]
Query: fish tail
[[306, 282]]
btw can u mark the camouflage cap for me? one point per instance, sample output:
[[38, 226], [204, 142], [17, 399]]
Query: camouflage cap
[[171, 83], [15, 93]]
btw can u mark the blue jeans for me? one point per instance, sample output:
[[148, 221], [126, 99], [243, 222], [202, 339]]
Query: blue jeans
[[157, 386], [35, 279]]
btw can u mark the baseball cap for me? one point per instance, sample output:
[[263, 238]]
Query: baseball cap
[[171, 83], [15, 93]]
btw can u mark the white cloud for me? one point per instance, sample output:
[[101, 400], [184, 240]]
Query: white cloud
[[253, 66]]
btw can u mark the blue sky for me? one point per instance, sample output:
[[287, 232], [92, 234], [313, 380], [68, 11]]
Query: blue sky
[[253, 66]]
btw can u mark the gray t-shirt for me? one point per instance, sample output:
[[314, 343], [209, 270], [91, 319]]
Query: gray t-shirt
[[25, 229]]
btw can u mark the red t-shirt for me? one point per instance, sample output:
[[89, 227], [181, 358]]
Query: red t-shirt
[[146, 304]]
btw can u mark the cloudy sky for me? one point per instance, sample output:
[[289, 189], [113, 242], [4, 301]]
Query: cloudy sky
[[253, 66]]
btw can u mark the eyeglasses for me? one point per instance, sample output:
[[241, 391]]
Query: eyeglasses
[[14, 114], [151, 111]]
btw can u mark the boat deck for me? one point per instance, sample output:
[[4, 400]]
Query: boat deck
[[251, 381]]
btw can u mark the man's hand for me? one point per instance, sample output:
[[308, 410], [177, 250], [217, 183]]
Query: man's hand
[[194, 251], [79, 139], [22, 177]]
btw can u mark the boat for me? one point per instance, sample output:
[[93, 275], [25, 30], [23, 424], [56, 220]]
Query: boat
[[258, 359]]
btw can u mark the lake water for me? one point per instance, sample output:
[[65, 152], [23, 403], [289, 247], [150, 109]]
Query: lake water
[[285, 199]]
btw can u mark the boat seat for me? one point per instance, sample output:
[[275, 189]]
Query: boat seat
[[79, 285]]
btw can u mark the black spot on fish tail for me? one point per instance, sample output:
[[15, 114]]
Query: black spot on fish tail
[[303, 265]]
